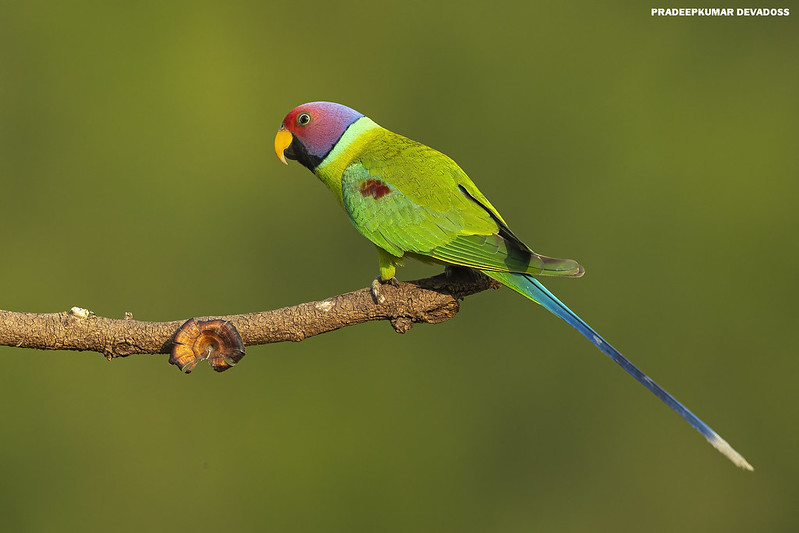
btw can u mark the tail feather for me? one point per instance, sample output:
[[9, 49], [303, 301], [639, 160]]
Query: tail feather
[[534, 290]]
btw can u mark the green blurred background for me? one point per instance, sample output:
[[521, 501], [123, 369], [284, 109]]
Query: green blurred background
[[138, 175]]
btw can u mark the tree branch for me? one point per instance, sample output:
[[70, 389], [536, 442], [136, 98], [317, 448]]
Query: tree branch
[[431, 300]]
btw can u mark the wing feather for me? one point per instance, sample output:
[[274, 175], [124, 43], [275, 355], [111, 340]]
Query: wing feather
[[428, 206]]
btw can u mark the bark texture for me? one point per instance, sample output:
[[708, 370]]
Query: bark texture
[[431, 300]]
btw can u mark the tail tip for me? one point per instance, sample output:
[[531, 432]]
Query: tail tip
[[729, 452]]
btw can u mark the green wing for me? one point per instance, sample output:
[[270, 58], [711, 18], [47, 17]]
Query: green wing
[[408, 198]]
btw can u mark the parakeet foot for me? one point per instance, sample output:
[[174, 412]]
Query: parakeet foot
[[377, 283]]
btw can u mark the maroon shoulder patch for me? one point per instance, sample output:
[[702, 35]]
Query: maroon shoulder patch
[[374, 188]]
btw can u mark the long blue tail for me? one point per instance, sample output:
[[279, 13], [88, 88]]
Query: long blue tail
[[532, 289]]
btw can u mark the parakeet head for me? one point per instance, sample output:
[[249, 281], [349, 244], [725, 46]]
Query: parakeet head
[[310, 131]]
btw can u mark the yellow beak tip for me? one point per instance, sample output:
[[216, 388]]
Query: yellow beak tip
[[282, 141]]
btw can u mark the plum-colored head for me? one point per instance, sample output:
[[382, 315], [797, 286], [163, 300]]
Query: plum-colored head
[[310, 131]]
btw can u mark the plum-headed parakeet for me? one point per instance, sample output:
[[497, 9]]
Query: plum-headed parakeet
[[411, 200]]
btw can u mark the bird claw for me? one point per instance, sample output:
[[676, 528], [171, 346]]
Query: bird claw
[[375, 290]]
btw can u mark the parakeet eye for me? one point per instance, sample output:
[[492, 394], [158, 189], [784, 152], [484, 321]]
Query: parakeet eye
[[303, 119]]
